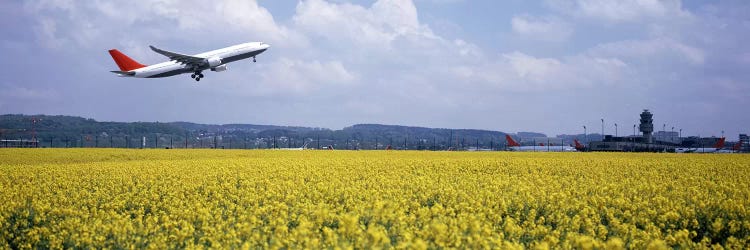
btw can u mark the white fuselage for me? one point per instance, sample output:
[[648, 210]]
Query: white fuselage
[[304, 147], [226, 55], [702, 150], [543, 148]]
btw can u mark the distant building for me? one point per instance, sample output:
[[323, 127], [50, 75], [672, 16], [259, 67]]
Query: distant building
[[667, 136]]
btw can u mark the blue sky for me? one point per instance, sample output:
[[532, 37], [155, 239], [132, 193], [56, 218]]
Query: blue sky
[[548, 66]]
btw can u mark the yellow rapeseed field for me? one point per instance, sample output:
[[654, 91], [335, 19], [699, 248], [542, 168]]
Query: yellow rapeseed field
[[119, 198]]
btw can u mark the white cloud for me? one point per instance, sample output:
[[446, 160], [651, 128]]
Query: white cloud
[[652, 48], [301, 76], [90, 22], [545, 28], [621, 10], [544, 74], [442, 1], [46, 32], [519, 72], [535, 69], [467, 49], [376, 27]]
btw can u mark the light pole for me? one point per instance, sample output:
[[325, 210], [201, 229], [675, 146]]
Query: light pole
[[585, 136], [33, 132], [680, 133], [722, 134], [602, 129], [663, 129], [615, 129], [633, 139]]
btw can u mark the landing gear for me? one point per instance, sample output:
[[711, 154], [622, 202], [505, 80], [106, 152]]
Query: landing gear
[[254, 59], [197, 76]]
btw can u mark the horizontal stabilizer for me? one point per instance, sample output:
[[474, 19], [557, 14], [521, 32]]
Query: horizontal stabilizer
[[124, 73]]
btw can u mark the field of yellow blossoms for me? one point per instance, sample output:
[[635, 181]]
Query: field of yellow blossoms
[[119, 198]]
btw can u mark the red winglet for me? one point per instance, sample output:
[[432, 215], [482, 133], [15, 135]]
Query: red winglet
[[124, 62], [511, 142]]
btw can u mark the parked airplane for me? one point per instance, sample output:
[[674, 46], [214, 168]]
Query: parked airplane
[[514, 146], [215, 60], [735, 149], [716, 148], [304, 147]]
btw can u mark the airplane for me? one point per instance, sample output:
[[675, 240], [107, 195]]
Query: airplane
[[716, 148], [514, 146], [735, 149], [304, 147], [215, 60]]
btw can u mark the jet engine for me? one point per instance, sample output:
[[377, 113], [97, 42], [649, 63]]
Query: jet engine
[[213, 61], [219, 68]]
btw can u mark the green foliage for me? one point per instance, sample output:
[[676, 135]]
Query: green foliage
[[71, 131]]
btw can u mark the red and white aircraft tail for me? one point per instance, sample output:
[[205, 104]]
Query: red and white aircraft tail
[[511, 142], [720, 144], [579, 146], [124, 62]]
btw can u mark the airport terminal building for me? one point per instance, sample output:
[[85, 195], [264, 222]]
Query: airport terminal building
[[648, 141]]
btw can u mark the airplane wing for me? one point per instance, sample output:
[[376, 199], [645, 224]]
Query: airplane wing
[[185, 59]]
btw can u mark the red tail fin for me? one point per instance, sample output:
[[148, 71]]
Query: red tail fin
[[511, 142], [720, 144], [578, 144], [124, 62], [737, 146]]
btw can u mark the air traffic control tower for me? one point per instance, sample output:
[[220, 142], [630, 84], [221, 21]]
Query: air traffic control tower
[[647, 126]]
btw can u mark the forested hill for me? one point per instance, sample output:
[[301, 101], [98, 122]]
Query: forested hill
[[59, 127], [22, 126], [399, 133]]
